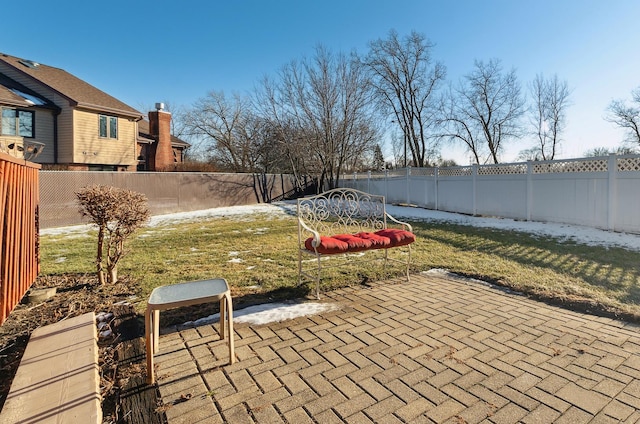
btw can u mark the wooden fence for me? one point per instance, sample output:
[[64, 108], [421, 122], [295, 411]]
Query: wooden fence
[[19, 251]]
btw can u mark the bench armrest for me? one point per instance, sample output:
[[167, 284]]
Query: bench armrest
[[405, 225], [316, 235]]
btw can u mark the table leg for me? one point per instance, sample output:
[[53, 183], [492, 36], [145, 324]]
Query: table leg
[[149, 345], [229, 307], [156, 330], [223, 316]]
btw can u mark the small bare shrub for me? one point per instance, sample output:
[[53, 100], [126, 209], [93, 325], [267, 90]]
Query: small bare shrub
[[117, 213]]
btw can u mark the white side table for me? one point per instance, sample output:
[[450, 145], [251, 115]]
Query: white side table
[[185, 294]]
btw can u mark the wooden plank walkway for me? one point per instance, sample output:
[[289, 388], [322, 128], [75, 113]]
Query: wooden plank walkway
[[58, 378]]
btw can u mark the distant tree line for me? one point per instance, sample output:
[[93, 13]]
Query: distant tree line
[[326, 115]]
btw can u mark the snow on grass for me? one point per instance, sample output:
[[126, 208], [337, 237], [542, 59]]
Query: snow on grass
[[263, 314], [562, 232]]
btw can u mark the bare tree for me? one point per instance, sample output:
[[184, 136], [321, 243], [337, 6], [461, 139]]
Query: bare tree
[[323, 103], [626, 116], [405, 82], [226, 129], [285, 131], [530, 154], [484, 111], [605, 151], [548, 115], [397, 148]]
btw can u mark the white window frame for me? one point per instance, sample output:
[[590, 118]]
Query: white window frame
[[110, 129]]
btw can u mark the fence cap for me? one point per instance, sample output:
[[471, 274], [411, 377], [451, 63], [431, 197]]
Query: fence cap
[[8, 158]]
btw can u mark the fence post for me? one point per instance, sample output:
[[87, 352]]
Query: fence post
[[386, 185], [408, 188], [369, 181], [612, 168], [435, 188], [529, 189], [474, 177], [426, 190]]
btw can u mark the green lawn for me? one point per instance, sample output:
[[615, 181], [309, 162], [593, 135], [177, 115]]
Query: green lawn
[[257, 253]]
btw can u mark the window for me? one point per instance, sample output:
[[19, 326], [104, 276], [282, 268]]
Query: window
[[102, 168], [113, 127], [108, 126], [18, 122]]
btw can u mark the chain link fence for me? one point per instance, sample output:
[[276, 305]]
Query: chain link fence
[[167, 192]]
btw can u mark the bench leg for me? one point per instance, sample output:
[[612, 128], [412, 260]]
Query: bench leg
[[386, 261], [408, 263], [299, 266], [318, 278]]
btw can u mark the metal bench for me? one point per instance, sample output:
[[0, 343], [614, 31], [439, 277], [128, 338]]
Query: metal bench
[[346, 221]]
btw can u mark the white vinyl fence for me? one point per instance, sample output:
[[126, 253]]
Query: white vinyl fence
[[599, 192]]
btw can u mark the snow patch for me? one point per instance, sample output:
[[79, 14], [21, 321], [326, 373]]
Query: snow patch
[[270, 312]]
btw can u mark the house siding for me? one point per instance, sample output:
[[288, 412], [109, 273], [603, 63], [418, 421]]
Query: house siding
[[65, 135], [44, 134], [90, 148]]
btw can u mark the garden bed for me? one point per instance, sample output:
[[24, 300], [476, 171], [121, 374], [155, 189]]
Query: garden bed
[[76, 295]]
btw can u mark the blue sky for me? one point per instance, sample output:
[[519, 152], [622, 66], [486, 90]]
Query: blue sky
[[144, 51]]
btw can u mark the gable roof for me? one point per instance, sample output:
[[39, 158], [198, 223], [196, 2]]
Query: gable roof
[[78, 92]]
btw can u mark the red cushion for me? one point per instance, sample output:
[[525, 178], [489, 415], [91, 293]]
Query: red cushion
[[327, 246], [397, 237], [377, 241], [356, 244]]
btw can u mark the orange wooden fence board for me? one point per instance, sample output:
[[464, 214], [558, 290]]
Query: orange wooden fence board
[[19, 250]]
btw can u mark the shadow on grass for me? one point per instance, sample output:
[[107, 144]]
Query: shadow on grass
[[615, 272]]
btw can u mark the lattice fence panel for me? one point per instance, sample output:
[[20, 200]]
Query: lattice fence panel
[[423, 172], [461, 171], [397, 173], [628, 164], [590, 165], [507, 169], [361, 176], [378, 175]]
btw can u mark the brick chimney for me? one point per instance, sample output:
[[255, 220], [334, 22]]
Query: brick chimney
[[161, 154]]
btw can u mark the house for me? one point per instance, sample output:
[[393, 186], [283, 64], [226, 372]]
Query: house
[[51, 117]]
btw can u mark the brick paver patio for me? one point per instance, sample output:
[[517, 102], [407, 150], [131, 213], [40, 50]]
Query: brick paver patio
[[437, 349]]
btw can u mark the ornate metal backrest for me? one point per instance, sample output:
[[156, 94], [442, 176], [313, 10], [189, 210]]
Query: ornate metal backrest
[[343, 210]]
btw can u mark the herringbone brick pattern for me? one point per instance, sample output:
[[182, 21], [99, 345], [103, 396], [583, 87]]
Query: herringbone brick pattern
[[436, 350]]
